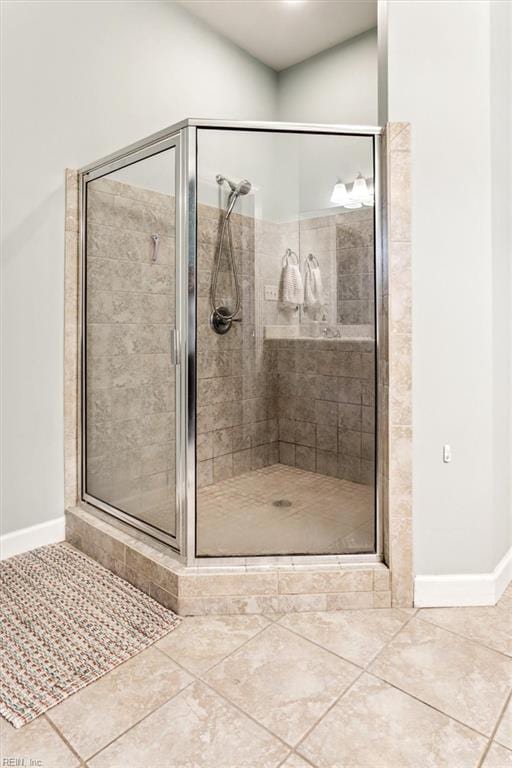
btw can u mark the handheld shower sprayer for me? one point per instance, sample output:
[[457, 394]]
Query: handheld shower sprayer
[[221, 317]]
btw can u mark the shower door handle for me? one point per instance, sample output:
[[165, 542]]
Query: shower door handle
[[175, 347]]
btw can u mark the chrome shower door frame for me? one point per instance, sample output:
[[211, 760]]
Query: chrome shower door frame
[[170, 139], [189, 196]]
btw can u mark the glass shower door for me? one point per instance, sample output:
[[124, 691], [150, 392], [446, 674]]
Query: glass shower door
[[286, 392], [129, 321]]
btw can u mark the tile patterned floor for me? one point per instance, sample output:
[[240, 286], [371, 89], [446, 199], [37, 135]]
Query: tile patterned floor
[[381, 688], [326, 515]]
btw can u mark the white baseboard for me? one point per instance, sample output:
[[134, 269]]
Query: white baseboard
[[16, 542], [463, 588]]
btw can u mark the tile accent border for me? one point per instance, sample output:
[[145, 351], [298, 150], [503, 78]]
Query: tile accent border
[[397, 297], [71, 343]]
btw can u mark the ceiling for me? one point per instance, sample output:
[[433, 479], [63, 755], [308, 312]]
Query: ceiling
[[281, 33]]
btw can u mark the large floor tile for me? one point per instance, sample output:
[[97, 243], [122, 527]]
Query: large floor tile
[[196, 729], [498, 757], [466, 680], [99, 713], [294, 761], [490, 625], [356, 635], [504, 733], [506, 599], [35, 744], [202, 641], [377, 726], [282, 680]]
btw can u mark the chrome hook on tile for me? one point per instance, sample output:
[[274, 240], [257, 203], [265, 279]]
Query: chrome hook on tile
[[156, 244]]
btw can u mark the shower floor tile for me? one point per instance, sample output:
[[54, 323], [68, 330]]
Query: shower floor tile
[[281, 510]]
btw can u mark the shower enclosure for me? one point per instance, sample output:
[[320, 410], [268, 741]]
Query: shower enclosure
[[230, 319]]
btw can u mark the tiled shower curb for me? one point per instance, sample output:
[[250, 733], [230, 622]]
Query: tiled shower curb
[[195, 591]]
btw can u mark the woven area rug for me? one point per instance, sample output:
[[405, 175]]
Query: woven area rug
[[65, 622]]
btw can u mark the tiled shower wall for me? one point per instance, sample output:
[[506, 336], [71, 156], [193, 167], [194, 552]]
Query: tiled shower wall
[[326, 406], [355, 267], [326, 392], [236, 378], [343, 244], [130, 392], [316, 397], [252, 393]]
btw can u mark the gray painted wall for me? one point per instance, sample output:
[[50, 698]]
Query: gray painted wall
[[79, 81], [443, 79]]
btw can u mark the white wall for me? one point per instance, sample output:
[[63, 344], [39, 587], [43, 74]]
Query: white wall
[[80, 80], [501, 218], [439, 79], [336, 86]]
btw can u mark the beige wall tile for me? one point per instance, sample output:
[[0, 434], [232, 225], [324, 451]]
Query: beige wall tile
[[344, 600], [303, 582], [397, 500], [382, 599], [381, 580], [242, 584]]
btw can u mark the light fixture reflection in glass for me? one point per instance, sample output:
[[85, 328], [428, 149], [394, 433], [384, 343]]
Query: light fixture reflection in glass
[[360, 191], [360, 194], [339, 194]]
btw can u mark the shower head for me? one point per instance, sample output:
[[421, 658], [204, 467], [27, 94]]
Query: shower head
[[242, 188]]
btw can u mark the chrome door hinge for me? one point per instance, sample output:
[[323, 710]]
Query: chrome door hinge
[[175, 347]]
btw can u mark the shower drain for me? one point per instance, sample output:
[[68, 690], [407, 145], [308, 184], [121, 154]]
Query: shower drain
[[281, 503]]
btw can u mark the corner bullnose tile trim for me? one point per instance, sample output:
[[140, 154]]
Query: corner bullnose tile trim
[[398, 501]]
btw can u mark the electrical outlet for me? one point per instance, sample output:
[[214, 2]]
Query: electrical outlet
[[270, 293]]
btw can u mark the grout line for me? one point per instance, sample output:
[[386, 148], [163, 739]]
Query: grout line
[[495, 731], [61, 736], [364, 670], [246, 714], [427, 704], [460, 635], [337, 699], [318, 645], [152, 712], [198, 678], [412, 695], [231, 653]]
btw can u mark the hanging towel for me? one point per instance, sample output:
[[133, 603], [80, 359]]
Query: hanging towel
[[291, 287], [313, 290]]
